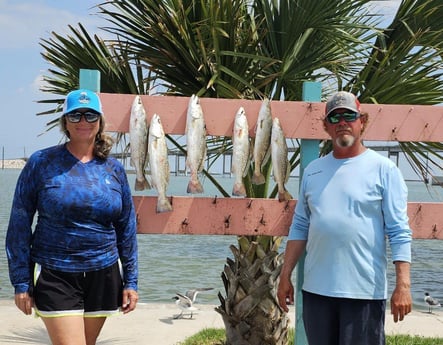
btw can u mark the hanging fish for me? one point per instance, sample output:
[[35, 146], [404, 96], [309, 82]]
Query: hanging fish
[[240, 152], [158, 162], [280, 164], [138, 138], [262, 141], [196, 144]]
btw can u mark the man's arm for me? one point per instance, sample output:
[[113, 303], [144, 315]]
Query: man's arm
[[285, 292]]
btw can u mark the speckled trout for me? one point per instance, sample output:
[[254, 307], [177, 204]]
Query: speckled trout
[[196, 143], [262, 141], [158, 162], [240, 152], [280, 163], [138, 138]]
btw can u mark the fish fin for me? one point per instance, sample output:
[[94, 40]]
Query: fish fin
[[245, 171], [266, 157], [288, 172], [251, 149], [248, 164], [145, 166], [202, 164]]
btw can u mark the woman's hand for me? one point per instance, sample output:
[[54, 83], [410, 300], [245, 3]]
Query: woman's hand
[[130, 298], [24, 302]]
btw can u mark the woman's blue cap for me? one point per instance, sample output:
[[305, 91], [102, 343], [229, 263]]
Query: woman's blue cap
[[82, 98]]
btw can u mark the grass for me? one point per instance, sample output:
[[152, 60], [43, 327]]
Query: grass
[[216, 336]]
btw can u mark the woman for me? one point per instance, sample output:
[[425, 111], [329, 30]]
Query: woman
[[79, 265]]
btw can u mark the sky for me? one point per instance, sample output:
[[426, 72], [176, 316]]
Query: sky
[[22, 25]]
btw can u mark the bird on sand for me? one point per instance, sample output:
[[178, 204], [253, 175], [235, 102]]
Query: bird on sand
[[186, 302], [431, 302]]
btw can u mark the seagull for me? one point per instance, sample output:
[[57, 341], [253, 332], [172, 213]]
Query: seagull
[[432, 302], [185, 302]]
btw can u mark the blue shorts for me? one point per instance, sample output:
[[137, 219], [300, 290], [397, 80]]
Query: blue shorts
[[88, 294], [343, 321]]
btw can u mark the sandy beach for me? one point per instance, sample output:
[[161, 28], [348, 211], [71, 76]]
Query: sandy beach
[[12, 163], [155, 324]]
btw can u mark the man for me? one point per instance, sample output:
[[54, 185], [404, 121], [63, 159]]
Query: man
[[350, 201]]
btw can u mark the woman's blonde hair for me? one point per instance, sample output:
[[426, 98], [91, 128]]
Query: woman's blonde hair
[[103, 141]]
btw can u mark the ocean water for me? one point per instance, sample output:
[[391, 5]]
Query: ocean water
[[175, 263]]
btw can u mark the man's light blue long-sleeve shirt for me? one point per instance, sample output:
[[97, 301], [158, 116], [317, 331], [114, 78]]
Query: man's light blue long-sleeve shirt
[[345, 210]]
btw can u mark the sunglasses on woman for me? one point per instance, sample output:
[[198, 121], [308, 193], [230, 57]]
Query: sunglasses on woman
[[348, 117], [89, 116]]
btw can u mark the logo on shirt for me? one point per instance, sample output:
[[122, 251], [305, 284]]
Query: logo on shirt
[[315, 172]]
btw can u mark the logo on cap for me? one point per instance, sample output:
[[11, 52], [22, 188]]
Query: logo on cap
[[84, 98], [339, 99]]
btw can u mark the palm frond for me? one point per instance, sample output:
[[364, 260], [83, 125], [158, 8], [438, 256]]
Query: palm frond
[[183, 42], [81, 51]]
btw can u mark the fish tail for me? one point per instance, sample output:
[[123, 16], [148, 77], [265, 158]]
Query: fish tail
[[258, 178], [239, 189], [163, 205], [284, 196], [194, 186], [143, 184]]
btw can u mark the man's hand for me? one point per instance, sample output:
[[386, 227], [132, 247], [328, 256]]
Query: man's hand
[[285, 294], [401, 303], [401, 300]]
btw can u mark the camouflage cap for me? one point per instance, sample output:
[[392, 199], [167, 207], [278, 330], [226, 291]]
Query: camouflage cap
[[342, 100]]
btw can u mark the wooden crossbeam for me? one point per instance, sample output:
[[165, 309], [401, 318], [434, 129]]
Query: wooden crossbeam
[[252, 216], [302, 120]]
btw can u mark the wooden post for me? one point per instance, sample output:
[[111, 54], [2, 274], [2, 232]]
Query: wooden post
[[309, 150], [89, 79]]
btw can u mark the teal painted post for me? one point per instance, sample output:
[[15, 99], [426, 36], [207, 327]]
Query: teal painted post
[[90, 79], [309, 150]]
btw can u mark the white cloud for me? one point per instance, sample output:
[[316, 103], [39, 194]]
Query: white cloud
[[38, 83]]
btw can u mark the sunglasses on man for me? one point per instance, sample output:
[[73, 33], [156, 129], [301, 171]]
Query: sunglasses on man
[[348, 117]]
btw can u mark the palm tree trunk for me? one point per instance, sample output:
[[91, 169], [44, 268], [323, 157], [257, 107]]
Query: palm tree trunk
[[250, 310]]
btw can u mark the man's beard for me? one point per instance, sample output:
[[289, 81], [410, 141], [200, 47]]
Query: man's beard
[[346, 140]]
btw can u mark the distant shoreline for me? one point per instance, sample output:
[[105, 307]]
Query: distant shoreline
[[12, 163]]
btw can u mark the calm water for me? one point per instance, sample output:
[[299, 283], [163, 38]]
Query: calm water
[[171, 263]]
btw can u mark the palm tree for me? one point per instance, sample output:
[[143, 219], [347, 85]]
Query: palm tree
[[251, 49], [405, 67]]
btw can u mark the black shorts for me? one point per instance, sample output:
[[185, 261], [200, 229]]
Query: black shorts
[[343, 321], [88, 294]]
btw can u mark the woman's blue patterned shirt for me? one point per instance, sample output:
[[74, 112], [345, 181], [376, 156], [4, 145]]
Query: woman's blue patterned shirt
[[85, 217]]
